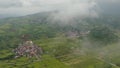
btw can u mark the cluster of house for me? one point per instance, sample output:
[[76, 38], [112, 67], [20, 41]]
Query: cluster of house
[[28, 49], [74, 34]]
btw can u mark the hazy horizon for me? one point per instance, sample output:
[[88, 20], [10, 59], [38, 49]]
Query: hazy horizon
[[13, 8]]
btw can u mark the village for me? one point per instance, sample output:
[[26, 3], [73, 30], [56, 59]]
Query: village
[[28, 49]]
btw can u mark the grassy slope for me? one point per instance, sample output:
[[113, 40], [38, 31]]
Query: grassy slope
[[46, 62], [68, 61]]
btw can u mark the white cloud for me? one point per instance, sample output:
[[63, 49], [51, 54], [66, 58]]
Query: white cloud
[[68, 7], [74, 9], [9, 3]]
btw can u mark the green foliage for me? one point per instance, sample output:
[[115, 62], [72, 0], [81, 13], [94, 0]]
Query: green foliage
[[103, 34]]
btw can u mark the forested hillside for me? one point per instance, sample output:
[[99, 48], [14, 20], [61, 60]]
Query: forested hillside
[[86, 43]]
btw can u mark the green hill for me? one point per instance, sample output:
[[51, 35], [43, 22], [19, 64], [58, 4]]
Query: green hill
[[90, 43]]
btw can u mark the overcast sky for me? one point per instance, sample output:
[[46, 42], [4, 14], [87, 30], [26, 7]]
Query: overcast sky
[[24, 7]]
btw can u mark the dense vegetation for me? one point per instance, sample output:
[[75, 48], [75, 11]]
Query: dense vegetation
[[104, 34], [65, 46]]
